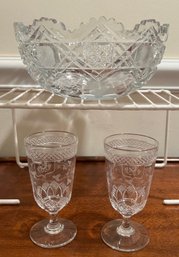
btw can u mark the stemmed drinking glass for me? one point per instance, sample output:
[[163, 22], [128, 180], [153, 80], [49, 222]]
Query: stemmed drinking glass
[[130, 160], [51, 158]]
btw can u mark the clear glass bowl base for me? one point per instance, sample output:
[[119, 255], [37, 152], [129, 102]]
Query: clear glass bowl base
[[137, 240], [40, 237]]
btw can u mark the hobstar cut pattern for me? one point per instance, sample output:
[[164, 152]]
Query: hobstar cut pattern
[[99, 60]]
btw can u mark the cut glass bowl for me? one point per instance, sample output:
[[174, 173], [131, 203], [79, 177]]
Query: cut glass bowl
[[99, 60]]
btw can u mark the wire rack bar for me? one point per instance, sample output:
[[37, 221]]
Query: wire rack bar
[[28, 103]]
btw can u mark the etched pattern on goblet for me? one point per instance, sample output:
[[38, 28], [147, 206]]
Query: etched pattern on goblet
[[130, 160], [51, 159]]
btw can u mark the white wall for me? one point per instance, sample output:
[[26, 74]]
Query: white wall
[[90, 126], [72, 13]]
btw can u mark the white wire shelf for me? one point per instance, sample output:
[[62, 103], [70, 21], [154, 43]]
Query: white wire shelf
[[32, 98], [37, 98]]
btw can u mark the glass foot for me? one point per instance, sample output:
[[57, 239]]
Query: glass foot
[[41, 237], [135, 239]]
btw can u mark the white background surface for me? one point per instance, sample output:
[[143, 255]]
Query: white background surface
[[72, 13]]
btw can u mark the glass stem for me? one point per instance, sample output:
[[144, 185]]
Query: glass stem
[[125, 223], [125, 228], [54, 226]]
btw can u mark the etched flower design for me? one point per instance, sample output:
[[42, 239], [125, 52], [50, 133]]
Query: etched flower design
[[128, 200], [122, 192], [53, 196], [131, 172], [43, 168]]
